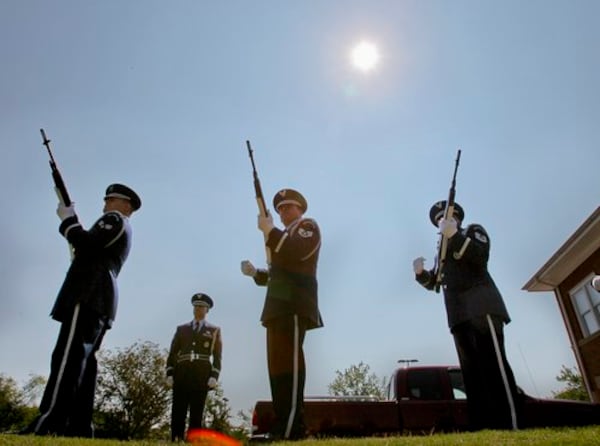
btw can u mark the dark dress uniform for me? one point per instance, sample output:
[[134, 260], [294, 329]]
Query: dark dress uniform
[[86, 306], [189, 363], [474, 305], [290, 308]]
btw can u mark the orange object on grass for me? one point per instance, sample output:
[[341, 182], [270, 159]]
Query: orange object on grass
[[208, 437]]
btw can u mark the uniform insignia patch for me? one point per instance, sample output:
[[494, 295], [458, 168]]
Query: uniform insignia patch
[[106, 226], [481, 237], [305, 233]]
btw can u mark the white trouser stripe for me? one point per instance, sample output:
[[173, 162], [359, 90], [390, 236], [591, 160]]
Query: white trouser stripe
[[288, 429], [63, 364], [513, 414]]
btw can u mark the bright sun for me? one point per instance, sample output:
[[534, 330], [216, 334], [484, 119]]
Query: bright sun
[[365, 56]]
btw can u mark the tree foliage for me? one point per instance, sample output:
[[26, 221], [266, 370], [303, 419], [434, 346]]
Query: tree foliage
[[132, 401], [217, 412], [33, 390], [133, 395], [357, 380], [575, 389], [17, 406], [217, 415], [9, 403]]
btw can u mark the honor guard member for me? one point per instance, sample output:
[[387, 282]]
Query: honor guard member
[[190, 368], [476, 317], [291, 306], [86, 306]]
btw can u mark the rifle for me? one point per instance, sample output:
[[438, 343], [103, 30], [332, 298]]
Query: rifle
[[443, 243], [61, 189], [260, 199]]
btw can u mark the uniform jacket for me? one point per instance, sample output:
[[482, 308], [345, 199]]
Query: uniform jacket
[[189, 359], [292, 277], [99, 254], [469, 290]]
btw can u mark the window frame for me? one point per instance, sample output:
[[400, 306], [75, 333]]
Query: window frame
[[593, 309]]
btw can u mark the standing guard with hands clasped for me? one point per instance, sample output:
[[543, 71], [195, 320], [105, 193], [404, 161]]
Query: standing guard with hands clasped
[[190, 369], [291, 305], [476, 317]]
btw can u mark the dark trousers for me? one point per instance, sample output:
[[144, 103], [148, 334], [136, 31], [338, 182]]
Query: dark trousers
[[287, 374], [185, 398], [488, 403], [68, 401]]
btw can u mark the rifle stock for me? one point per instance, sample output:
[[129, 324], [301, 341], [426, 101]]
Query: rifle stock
[[59, 183], [443, 242], [260, 199]]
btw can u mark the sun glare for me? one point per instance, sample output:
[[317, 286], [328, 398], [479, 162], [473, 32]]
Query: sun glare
[[365, 56]]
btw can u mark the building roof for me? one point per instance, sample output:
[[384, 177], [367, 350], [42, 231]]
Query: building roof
[[583, 243]]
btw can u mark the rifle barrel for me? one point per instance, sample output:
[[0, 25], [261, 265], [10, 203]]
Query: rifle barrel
[[443, 242], [260, 199], [56, 176], [46, 142]]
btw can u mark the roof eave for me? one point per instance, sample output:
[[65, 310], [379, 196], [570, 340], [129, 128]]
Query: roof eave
[[583, 243]]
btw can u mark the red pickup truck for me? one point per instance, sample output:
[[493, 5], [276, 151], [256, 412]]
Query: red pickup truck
[[423, 399]]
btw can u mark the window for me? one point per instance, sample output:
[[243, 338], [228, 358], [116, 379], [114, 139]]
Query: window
[[424, 384], [390, 389], [458, 385], [586, 301]]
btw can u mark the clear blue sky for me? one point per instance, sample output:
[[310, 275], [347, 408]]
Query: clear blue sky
[[163, 95]]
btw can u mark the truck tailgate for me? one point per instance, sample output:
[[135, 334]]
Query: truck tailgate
[[339, 418], [351, 417]]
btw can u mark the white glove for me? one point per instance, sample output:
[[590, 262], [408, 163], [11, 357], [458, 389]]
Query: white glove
[[170, 381], [596, 283], [248, 268], [212, 383], [265, 224], [65, 212], [447, 227], [419, 265]]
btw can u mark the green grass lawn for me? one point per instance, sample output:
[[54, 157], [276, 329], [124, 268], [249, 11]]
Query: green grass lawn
[[557, 436]]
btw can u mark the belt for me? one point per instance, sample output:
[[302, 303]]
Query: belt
[[192, 357]]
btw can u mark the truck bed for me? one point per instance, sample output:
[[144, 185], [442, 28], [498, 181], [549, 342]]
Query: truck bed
[[420, 400], [337, 417]]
